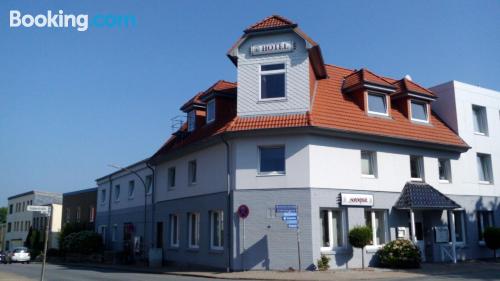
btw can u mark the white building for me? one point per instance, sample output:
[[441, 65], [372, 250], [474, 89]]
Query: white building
[[337, 147], [19, 220]]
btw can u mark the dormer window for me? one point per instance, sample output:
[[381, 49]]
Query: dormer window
[[419, 111], [191, 120], [272, 81], [210, 111], [377, 104]]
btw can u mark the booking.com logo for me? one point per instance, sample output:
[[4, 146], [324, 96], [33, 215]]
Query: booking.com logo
[[81, 22]]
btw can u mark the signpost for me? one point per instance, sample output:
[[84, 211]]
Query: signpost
[[46, 210], [243, 212], [290, 217]]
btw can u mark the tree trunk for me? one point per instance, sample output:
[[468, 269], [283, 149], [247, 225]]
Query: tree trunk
[[363, 257]]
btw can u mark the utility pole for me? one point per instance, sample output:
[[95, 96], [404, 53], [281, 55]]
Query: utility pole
[[49, 222]]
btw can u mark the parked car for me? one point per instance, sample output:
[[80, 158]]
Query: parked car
[[19, 254], [3, 257]]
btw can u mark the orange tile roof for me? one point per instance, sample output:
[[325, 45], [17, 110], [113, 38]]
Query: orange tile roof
[[362, 76], [271, 22]]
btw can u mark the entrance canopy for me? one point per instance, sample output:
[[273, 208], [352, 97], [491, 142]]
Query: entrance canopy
[[417, 195]]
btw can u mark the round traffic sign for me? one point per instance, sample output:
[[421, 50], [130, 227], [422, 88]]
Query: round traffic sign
[[243, 211]]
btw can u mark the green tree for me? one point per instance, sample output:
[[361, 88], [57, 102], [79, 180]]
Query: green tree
[[3, 214], [359, 237]]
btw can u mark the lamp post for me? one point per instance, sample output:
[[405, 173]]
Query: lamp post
[[145, 200]]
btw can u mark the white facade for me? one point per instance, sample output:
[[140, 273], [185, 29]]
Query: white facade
[[454, 105]]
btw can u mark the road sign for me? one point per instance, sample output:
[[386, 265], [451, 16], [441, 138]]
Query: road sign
[[43, 209], [290, 218], [293, 226], [243, 211], [286, 208]]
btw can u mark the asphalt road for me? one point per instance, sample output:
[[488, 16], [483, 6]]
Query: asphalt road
[[25, 272]]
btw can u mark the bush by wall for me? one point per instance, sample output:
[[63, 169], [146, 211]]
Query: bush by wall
[[399, 254], [83, 242], [323, 263], [492, 239]]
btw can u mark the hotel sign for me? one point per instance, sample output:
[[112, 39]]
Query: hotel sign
[[349, 199], [272, 48]]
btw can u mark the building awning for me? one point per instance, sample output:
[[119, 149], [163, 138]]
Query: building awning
[[416, 195]]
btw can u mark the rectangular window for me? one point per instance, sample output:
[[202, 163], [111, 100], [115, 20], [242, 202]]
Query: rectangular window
[[9, 227], [377, 220], [419, 111], [10, 208], [103, 195], [217, 230], [484, 220], [479, 119], [92, 214], [459, 226], [211, 111], [117, 192], [174, 230], [68, 214], [272, 160], [272, 81], [191, 120], [444, 170], [484, 167], [131, 189], [417, 168], [377, 104], [332, 229], [171, 177], [368, 163], [149, 184], [194, 230], [78, 211], [159, 234], [114, 233], [192, 172]]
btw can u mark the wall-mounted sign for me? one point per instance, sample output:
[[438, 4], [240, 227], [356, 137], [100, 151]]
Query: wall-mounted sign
[[42, 209], [272, 48], [442, 234], [349, 199]]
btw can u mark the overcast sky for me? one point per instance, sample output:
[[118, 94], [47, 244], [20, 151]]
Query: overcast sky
[[72, 102]]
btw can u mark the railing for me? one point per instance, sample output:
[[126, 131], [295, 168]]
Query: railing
[[446, 251]]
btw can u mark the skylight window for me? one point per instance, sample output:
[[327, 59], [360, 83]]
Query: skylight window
[[377, 104]]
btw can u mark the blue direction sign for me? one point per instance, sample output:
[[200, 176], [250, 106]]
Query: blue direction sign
[[286, 208], [290, 218], [293, 226]]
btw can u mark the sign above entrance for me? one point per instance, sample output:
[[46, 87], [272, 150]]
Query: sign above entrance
[[349, 199], [272, 48]]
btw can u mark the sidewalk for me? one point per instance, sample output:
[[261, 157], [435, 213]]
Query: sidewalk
[[428, 270]]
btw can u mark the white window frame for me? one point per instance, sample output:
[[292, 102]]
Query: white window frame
[[343, 233], [420, 168], [482, 121], [174, 243], [426, 107], [270, 72], [131, 189], [447, 170], [192, 172], [372, 161], [386, 103], [220, 243], [270, 173], [210, 109], [103, 196], [149, 184], [372, 213], [195, 232], [191, 120], [489, 168], [479, 216], [171, 183], [117, 194]]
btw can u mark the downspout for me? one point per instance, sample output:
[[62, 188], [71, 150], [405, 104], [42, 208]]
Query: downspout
[[108, 228], [152, 203], [229, 209]]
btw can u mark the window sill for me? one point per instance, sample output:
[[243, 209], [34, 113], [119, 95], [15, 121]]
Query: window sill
[[270, 174], [334, 251], [417, 179], [485, 182], [445, 181], [420, 122], [379, 115], [261, 100], [192, 184], [480, 134], [373, 248], [368, 176], [218, 251]]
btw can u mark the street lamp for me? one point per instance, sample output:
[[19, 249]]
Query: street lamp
[[145, 200]]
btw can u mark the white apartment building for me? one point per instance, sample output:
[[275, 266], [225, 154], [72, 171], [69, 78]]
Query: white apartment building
[[19, 220], [311, 150]]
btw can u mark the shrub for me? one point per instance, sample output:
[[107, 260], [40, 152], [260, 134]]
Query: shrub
[[399, 254], [359, 237], [492, 239], [83, 242], [324, 263]]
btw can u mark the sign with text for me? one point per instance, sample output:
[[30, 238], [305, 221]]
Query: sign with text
[[442, 234], [350, 199], [43, 209], [289, 215], [272, 48]]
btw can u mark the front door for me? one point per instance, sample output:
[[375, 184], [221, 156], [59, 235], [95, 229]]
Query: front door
[[419, 233]]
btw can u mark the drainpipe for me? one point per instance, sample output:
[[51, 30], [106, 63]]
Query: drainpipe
[[229, 210], [152, 202], [108, 228]]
